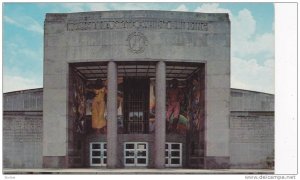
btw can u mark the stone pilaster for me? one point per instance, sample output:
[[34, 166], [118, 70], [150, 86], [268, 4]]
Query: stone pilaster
[[160, 115], [112, 134]]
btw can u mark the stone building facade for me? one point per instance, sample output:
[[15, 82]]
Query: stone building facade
[[251, 130], [109, 45], [139, 56]]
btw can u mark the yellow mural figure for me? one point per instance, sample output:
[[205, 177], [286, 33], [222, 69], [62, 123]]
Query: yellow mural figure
[[98, 107]]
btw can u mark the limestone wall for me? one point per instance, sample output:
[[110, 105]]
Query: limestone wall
[[251, 129], [251, 140], [22, 129], [22, 141]]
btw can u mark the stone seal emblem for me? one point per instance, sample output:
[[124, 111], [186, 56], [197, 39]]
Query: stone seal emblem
[[137, 42]]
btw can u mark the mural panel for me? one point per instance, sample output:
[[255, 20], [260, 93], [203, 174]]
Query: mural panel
[[152, 106], [196, 119], [184, 105], [176, 119], [120, 105], [78, 103]]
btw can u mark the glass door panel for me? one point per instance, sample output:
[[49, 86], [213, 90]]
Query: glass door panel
[[173, 154], [136, 154], [98, 154]]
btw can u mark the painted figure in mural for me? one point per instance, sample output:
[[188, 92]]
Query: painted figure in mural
[[174, 97], [120, 99], [78, 104], [120, 110], [194, 105], [81, 109], [152, 107], [99, 106]]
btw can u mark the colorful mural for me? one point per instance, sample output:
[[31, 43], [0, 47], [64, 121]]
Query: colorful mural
[[195, 98], [152, 106], [96, 92], [195, 105], [184, 106], [78, 103], [96, 105], [175, 97], [120, 105], [99, 106]]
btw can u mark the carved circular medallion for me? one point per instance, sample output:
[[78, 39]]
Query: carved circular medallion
[[137, 42]]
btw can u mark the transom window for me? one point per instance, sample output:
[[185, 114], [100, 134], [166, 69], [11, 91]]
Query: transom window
[[98, 154], [173, 154], [135, 154]]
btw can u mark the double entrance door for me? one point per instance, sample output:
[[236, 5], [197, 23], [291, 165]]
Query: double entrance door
[[173, 155], [135, 154]]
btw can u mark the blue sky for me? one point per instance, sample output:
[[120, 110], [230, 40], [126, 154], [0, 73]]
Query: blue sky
[[252, 39]]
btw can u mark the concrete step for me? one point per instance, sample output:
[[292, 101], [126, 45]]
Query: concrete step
[[137, 171]]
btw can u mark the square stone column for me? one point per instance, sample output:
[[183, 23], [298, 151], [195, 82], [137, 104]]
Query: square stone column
[[160, 115], [112, 133]]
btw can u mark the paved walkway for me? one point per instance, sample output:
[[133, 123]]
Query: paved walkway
[[138, 171]]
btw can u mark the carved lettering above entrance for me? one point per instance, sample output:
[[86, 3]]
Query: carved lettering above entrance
[[137, 42], [106, 24]]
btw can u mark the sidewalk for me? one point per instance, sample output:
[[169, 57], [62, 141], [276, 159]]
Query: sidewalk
[[137, 171]]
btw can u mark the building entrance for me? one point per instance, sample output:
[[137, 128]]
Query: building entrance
[[137, 102], [136, 154], [173, 154]]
